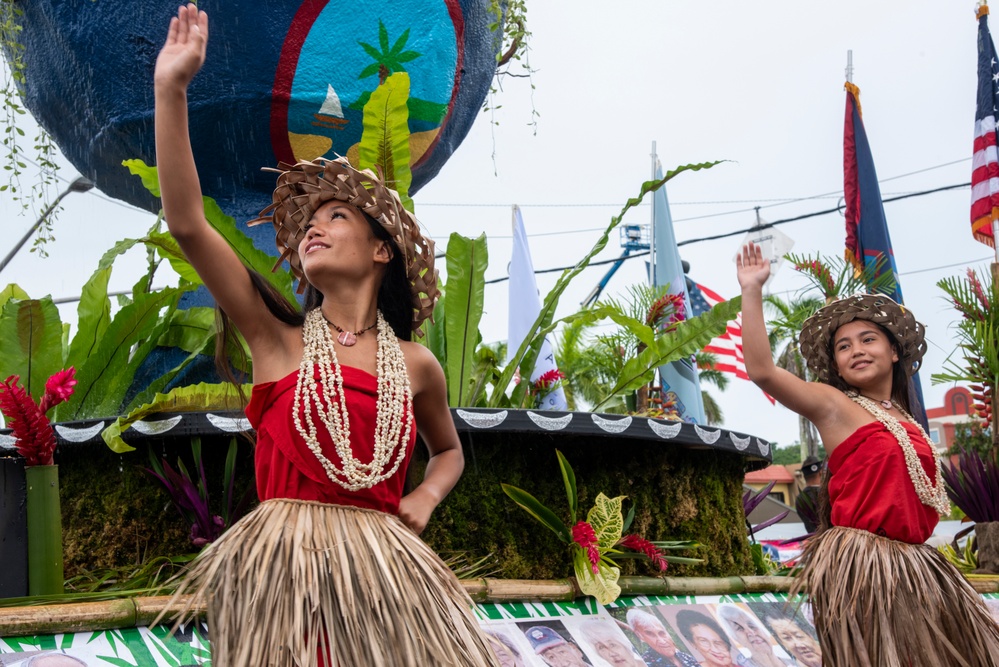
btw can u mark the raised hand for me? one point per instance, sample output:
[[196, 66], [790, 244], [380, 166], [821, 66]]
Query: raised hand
[[753, 268], [184, 52]]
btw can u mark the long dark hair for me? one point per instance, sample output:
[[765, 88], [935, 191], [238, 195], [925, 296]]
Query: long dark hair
[[899, 395], [395, 300]]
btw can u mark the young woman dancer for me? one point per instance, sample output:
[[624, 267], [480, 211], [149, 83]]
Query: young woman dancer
[[328, 569], [880, 597]]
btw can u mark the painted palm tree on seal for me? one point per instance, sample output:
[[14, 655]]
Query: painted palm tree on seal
[[388, 59]]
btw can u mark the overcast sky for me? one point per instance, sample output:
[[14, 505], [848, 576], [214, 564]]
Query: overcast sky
[[758, 84]]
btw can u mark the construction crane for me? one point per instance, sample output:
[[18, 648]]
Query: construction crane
[[634, 238]]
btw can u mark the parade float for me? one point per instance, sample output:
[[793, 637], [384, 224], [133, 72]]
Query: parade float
[[154, 460]]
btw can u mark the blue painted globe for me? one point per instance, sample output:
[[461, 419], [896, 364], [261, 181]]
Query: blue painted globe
[[282, 81]]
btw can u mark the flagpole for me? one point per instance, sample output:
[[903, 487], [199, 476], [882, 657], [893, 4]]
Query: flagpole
[[653, 276], [849, 66]]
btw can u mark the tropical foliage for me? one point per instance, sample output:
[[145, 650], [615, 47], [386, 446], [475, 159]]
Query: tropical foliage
[[455, 339], [190, 496], [973, 484], [750, 501], [978, 341], [384, 145], [595, 543], [108, 349]]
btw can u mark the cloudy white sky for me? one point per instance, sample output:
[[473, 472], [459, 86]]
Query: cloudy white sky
[[758, 84]]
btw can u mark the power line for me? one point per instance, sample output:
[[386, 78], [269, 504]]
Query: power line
[[773, 201], [818, 213], [757, 228]]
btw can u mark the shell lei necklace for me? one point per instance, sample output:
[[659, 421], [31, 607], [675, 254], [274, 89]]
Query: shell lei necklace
[[929, 495], [394, 404]]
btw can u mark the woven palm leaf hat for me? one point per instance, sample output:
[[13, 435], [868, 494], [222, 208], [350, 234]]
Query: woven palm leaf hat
[[817, 332], [304, 187]]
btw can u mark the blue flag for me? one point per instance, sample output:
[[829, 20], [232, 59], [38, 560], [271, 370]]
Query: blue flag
[[679, 378], [867, 239]]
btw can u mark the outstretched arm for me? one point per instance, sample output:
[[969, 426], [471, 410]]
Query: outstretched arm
[[437, 428], [221, 270], [810, 399]]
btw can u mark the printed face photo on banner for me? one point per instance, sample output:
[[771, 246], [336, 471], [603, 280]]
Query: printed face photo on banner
[[553, 644], [604, 642], [657, 642], [510, 645], [792, 629], [749, 637], [46, 659], [704, 635]]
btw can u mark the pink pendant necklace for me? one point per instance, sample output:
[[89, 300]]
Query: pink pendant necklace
[[886, 404], [348, 338]]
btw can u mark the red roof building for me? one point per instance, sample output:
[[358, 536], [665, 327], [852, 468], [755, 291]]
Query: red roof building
[[958, 408], [783, 482]]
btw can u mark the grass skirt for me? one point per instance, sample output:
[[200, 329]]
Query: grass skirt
[[295, 580], [878, 602]]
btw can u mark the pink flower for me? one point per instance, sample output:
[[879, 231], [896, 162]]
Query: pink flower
[[636, 543], [58, 389], [584, 535], [35, 437]]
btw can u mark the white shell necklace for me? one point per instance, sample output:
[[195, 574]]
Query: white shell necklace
[[929, 495], [394, 405]]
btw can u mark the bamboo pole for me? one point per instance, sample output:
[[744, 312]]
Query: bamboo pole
[[994, 384], [137, 612]]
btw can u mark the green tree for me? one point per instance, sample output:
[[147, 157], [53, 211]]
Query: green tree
[[789, 316], [584, 383], [971, 436]]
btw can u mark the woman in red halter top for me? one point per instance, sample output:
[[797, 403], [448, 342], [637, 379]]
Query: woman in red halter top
[[328, 569], [879, 595]]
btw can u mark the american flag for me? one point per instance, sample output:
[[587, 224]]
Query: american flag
[[728, 346], [985, 168]]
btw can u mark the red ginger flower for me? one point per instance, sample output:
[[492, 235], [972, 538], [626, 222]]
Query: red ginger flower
[[548, 379], [820, 272], [669, 307], [976, 287], [584, 535], [35, 438], [58, 389], [636, 543]]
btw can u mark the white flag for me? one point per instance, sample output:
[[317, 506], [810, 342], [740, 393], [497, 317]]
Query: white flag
[[525, 306]]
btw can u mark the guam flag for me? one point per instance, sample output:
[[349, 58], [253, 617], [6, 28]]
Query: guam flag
[[867, 240]]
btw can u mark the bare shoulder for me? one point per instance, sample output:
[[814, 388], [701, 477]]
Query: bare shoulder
[[424, 369]]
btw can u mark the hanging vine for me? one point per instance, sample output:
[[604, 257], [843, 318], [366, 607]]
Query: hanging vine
[[513, 57], [37, 196]]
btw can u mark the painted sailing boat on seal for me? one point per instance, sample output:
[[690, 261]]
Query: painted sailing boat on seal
[[330, 114]]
